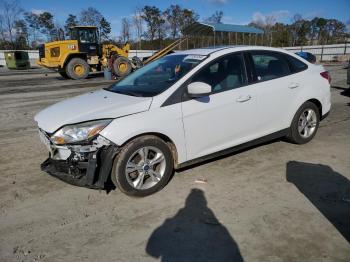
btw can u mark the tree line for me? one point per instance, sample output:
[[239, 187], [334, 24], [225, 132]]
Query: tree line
[[21, 29], [150, 28], [317, 31]]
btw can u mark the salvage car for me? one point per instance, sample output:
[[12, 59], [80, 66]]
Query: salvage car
[[179, 110]]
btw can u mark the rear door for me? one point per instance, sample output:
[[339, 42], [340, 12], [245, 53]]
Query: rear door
[[276, 88], [225, 118]]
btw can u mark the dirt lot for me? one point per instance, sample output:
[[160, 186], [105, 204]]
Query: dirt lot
[[275, 202]]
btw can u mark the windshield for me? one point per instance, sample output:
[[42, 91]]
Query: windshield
[[83, 35], [157, 76]]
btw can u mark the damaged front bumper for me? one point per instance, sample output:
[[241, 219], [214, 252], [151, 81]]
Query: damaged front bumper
[[81, 165]]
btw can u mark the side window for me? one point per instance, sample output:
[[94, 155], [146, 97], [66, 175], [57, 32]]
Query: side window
[[269, 65], [295, 64], [224, 74]]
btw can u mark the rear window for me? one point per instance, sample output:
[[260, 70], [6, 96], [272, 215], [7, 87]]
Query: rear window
[[295, 64]]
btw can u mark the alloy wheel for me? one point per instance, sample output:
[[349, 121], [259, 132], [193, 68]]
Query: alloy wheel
[[307, 123], [145, 168]]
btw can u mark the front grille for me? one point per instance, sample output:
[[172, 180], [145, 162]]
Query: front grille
[[41, 51]]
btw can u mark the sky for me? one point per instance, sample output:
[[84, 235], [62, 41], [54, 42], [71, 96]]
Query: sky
[[235, 11]]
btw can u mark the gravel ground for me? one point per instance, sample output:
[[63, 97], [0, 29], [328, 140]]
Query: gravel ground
[[274, 202]]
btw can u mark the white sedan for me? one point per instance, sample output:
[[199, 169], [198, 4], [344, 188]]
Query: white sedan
[[183, 108]]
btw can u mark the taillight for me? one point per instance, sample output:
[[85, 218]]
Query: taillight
[[326, 75]]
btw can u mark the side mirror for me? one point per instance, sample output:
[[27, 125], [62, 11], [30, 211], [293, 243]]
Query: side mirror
[[198, 89]]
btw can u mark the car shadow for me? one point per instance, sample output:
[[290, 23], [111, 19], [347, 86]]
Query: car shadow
[[193, 234], [345, 91], [326, 189]]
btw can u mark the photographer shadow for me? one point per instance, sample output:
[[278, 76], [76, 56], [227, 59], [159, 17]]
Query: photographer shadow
[[193, 234]]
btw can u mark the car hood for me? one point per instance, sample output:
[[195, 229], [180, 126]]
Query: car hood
[[91, 106]]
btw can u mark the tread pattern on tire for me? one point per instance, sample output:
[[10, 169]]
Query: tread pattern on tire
[[70, 71], [121, 59]]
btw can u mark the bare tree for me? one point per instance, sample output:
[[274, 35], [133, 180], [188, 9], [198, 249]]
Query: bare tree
[[270, 21], [21, 31], [33, 23], [125, 30], [90, 16], [2, 29], [137, 22], [297, 23], [10, 10]]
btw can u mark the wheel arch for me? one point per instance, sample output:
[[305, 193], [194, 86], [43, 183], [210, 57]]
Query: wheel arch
[[315, 101], [318, 104], [163, 137], [74, 55]]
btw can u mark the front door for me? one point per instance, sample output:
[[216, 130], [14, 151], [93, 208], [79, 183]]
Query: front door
[[226, 117]]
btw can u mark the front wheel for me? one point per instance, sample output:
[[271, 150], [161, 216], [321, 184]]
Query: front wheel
[[143, 167], [77, 68], [305, 124]]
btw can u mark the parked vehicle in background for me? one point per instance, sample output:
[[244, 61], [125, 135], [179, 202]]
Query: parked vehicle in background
[[307, 56], [181, 109]]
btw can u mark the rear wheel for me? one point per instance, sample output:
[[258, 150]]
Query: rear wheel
[[121, 66], [77, 68], [143, 167], [305, 124]]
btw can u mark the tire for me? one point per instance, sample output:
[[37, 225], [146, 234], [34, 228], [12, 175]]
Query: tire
[[303, 130], [64, 74], [77, 68], [142, 177], [121, 66]]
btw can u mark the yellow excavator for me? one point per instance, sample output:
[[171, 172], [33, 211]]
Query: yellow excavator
[[82, 54]]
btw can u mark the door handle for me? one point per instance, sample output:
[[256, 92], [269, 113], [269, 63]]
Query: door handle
[[293, 85], [242, 99]]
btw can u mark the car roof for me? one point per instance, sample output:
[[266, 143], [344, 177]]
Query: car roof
[[228, 48]]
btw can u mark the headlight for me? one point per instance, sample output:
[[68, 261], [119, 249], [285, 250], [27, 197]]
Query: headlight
[[79, 132]]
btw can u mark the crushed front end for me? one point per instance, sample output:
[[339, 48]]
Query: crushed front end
[[86, 164]]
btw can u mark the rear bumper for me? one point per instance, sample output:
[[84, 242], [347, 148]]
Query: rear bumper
[[92, 173]]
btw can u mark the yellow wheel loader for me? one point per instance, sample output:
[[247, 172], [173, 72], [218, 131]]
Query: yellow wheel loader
[[82, 54]]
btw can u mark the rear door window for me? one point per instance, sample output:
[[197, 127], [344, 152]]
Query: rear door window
[[269, 65]]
